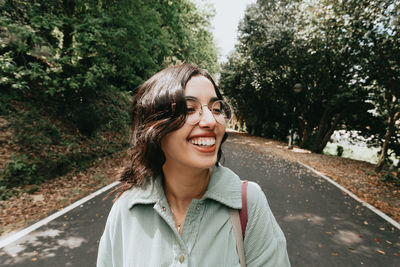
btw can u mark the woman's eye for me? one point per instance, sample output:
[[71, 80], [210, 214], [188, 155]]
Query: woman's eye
[[190, 109], [217, 110]]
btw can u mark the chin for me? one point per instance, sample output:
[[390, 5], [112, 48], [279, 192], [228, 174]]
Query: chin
[[206, 163]]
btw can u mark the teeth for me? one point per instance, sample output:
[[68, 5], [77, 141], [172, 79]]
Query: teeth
[[203, 141]]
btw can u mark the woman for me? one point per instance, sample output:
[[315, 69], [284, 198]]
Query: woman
[[173, 204]]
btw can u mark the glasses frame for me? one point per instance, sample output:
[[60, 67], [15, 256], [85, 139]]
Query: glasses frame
[[201, 111]]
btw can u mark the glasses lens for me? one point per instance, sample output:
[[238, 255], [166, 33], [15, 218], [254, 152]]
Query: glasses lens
[[193, 114], [222, 111]]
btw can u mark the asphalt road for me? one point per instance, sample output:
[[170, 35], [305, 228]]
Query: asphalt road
[[323, 225]]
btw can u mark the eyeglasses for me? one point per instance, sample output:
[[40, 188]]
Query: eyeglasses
[[220, 110]]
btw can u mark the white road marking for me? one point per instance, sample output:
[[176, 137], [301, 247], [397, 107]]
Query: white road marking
[[15, 236], [365, 204]]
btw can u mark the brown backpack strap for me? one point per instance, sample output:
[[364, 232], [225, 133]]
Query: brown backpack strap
[[235, 219], [243, 212]]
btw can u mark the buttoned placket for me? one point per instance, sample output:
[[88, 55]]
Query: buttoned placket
[[186, 240], [192, 223], [180, 253]]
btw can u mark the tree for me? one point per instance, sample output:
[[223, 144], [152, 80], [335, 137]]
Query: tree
[[305, 42], [73, 53], [377, 29]]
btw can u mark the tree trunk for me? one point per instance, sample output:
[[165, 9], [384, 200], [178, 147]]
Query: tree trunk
[[69, 9], [304, 138], [240, 121], [322, 129], [304, 132], [328, 135], [392, 118]]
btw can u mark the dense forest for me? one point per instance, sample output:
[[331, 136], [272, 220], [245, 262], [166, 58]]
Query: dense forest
[[316, 67], [68, 69]]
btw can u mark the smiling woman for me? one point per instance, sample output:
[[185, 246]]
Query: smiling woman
[[173, 205]]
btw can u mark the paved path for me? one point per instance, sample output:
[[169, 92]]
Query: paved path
[[323, 226], [69, 240]]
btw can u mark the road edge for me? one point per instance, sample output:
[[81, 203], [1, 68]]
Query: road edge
[[351, 194], [14, 236]]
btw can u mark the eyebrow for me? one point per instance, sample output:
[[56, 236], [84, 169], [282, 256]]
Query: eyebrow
[[212, 99]]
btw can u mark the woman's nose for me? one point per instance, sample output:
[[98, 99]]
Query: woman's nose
[[207, 118]]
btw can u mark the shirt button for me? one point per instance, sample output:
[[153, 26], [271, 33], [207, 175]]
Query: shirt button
[[181, 258], [163, 208], [198, 208]]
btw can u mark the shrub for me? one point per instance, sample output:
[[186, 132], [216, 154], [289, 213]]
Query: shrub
[[31, 129], [339, 151], [17, 172]]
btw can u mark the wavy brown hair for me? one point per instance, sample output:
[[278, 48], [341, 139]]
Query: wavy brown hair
[[158, 108]]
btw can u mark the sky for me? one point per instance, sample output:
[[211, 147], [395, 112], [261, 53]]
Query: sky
[[225, 23]]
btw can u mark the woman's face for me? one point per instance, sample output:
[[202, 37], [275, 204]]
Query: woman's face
[[195, 146]]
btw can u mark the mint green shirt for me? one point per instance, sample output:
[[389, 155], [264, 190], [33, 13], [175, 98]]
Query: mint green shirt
[[140, 229]]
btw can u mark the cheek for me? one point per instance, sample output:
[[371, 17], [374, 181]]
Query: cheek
[[221, 132], [173, 140]]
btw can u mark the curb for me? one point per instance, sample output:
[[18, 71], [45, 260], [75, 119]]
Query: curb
[[351, 194], [15, 236]]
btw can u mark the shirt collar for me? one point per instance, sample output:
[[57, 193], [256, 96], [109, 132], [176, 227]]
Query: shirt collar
[[224, 187]]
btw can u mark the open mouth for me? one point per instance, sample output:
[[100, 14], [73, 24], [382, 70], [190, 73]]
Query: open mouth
[[203, 141]]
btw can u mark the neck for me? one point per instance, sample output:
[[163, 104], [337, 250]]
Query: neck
[[181, 186]]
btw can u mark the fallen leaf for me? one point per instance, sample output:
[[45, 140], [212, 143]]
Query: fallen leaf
[[351, 248], [377, 240], [328, 233], [365, 222], [381, 251], [335, 254], [34, 259]]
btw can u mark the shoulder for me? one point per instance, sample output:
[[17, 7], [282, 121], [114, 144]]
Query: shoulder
[[257, 203], [255, 194], [149, 193], [259, 211], [265, 243]]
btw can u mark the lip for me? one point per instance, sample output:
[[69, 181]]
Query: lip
[[203, 149], [203, 135], [210, 149]]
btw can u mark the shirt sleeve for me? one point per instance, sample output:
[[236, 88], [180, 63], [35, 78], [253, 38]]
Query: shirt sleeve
[[264, 243]]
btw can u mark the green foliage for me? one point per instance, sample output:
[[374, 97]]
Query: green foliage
[[368, 172], [6, 193], [87, 119], [68, 70], [71, 53], [339, 151], [16, 171], [345, 56], [391, 176], [31, 129]]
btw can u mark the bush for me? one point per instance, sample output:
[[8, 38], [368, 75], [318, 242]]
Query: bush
[[17, 172], [6, 193], [339, 151], [31, 129], [391, 175], [87, 119]]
